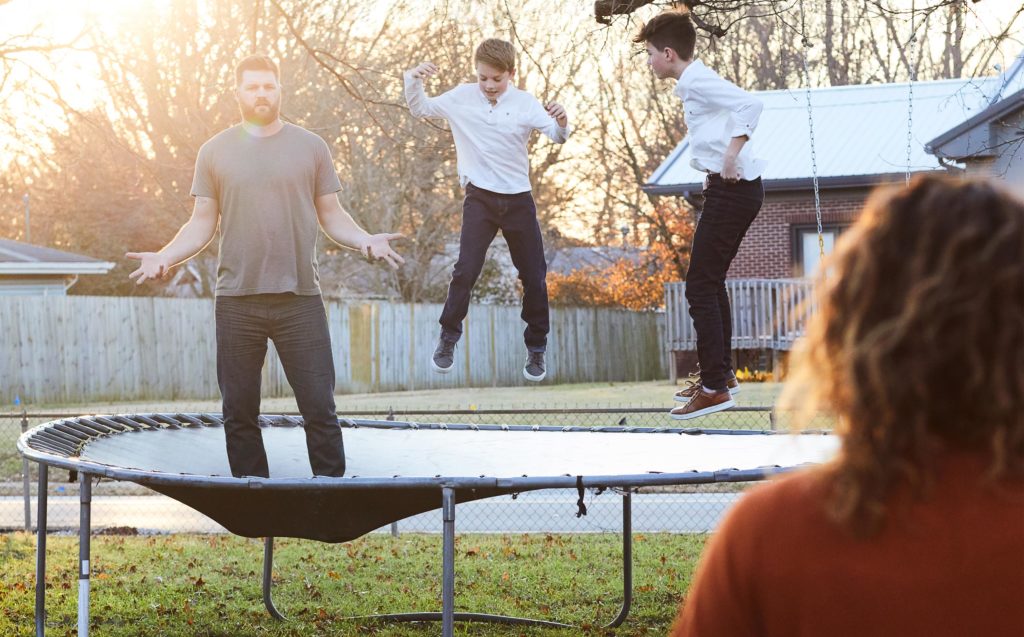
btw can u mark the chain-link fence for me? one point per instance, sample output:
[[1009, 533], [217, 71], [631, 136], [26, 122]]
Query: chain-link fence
[[125, 507]]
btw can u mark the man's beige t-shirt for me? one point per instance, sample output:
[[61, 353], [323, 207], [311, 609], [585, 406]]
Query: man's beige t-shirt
[[266, 189]]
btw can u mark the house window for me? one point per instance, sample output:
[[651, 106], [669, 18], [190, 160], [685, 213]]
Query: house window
[[806, 253]]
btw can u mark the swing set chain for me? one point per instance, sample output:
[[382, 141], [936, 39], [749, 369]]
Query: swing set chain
[[910, 91], [810, 126]]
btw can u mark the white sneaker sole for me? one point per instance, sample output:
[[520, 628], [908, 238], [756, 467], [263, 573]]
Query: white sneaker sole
[[704, 412], [534, 379], [440, 370], [682, 399]]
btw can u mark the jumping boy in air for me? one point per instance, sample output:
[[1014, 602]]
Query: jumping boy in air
[[491, 121], [720, 119]]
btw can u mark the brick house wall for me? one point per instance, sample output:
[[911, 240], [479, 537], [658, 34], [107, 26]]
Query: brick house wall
[[767, 251]]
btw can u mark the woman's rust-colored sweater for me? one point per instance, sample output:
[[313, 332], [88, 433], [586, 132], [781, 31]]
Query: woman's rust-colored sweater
[[950, 564]]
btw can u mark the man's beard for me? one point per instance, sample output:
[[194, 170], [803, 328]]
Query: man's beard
[[260, 118]]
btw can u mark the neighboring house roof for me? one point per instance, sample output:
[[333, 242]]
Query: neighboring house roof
[[568, 260], [959, 142], [17, 257], [860, 132], [963, 140], [344, 277]]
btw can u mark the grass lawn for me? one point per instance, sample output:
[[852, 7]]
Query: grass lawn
[[644, 394], [210, 585]]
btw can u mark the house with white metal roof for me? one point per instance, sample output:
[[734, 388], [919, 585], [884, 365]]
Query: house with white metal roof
[[863, 135], [991, 142], [27, 269]]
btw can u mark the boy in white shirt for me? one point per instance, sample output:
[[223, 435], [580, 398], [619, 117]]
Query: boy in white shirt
[[720, 118], [491, 121]]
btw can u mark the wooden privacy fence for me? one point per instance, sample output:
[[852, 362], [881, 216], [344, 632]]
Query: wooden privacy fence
[[79, 349], [766, 314]]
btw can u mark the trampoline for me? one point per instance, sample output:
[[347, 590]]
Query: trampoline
[[394, 470]]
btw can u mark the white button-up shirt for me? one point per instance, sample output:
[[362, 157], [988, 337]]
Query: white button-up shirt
[[490, 141], [715, 111]]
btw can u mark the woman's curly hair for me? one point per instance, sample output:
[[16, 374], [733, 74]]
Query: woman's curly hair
[[917, 342]]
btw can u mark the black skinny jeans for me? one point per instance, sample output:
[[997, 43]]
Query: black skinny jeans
[[729, 209], [298, 327], [483, 214]]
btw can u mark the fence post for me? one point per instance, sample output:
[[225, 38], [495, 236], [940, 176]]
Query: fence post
[[26, 487]]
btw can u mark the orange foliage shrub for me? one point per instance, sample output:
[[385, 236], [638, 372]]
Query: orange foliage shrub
[[633, 285]]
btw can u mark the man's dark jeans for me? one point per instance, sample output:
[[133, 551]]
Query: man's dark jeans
[[483, 214], [298, 327], [729, 209]]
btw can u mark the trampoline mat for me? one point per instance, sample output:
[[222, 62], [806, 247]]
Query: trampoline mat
[[387, 453], [394, 469]]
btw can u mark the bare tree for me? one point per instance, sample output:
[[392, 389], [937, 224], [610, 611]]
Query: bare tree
[[126, 164]]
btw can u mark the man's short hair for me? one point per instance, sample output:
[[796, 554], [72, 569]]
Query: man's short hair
[[497, 53], [256, 63], [670, 30]]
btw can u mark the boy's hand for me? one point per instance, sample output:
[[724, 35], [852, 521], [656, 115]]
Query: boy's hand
[[557, 111], [730, 173], [424, 70]]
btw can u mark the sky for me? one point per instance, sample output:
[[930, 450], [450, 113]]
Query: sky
[[75, 74], [63, 19]]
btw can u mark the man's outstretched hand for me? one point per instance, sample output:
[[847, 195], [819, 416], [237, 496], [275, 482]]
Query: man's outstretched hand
[[378, 246], [154, 266]]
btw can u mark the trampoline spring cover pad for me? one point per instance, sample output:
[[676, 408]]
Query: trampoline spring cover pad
[[396, 469]]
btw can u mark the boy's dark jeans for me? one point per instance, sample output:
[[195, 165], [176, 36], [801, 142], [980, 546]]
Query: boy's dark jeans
[[298, 327], [483, 214], [729, 209]]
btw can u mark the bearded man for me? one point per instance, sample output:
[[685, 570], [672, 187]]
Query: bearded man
[[271, 186]]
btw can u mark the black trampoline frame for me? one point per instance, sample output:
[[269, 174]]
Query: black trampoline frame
[[47, 448]]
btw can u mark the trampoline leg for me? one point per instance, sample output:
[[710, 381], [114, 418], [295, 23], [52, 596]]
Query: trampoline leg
[[448, 563], [268, 577], [627, 559], [84, 533], [41, 552]]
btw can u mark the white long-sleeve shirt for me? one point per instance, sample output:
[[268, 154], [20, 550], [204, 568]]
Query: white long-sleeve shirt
[[715, 111], [490, 141]]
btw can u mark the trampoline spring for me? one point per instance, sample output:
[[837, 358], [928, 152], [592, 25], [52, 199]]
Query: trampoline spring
[[113, 424], [290, 420], [68, 431], [147, 423], [191, 420], [87, 428], [168, 421]]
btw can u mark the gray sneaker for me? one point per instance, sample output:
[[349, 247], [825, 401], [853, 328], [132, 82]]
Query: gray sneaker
[[534, 368], [444, 356]]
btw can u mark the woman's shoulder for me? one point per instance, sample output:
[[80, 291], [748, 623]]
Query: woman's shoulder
[[785, 496]]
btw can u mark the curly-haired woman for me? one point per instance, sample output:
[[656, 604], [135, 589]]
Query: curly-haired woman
[[917, 527]]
